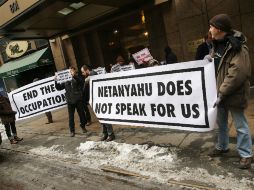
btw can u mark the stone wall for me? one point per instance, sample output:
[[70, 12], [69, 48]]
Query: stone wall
[[186, 22]]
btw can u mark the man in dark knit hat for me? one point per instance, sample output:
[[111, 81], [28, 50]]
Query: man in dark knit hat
[[232, 66]]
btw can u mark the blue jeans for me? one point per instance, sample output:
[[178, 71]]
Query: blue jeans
[[244, 141]]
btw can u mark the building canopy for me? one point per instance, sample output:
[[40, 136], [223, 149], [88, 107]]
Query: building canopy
[[36, 59], [36, 19]]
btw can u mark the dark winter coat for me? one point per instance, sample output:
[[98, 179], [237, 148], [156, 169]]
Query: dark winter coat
[[73, 90], [202, 51], [170, 56], [86, 86], [7, 115], [234, 71]]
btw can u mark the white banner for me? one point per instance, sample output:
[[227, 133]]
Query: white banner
[[36, 98], [175, 96]]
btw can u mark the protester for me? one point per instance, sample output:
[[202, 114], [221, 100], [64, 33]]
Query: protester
[[204, 48], [232, 65], [86, 96], [170, 56], [119, 62], [107, 129], [48, 114], [74, 98], [7, 116]]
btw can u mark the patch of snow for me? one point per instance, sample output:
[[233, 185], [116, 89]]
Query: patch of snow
[[220, 181], [54, 151], [159, 163], [125, 156], [3, 133]]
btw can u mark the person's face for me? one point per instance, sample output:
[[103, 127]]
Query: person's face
[[85, 73], [214, 32], [73, 72]]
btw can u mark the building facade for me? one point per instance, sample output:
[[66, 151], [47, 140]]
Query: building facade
[[96, 32]]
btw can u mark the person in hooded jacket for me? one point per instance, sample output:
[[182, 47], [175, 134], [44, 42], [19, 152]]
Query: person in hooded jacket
[[233, 70], [7, 116]]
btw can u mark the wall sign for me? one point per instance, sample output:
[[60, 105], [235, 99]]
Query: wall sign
[[12, 9], [16, 48]]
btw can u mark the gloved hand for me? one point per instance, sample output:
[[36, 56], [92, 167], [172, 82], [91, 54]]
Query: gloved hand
[[208, 58], [218, 101]]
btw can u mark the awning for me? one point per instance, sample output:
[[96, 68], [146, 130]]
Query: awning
[[36, 59]]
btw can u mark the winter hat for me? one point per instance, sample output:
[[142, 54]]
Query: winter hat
[[222, 22]]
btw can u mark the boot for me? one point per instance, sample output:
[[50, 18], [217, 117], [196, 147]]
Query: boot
[[16, 138], [88, 123], [218, 153], [84, 130], [111, 137], [104, 137], [13, 141], [72, 134], [245, 163]]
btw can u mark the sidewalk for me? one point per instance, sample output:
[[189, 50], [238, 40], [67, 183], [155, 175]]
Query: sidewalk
[[191, 147]]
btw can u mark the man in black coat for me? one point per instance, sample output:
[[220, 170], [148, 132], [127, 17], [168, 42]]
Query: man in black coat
[[107, 129], [74, 98]]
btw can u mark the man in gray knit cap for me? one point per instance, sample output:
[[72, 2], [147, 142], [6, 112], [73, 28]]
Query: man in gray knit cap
[[232, 67]]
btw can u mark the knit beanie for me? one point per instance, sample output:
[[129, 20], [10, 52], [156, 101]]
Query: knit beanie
[[222, 22]]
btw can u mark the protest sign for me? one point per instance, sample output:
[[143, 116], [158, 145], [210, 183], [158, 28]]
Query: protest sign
[[142, 56], [127, 67], [36, 98], [100, 70], [119, 68], [63, 76], [175, 96]]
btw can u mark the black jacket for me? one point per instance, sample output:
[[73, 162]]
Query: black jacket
[[170, 56], [73, 89], [202, 51], [86, 87]]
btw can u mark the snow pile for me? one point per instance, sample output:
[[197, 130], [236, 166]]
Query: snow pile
[[158, 163], [127, 156], [54, 151]]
